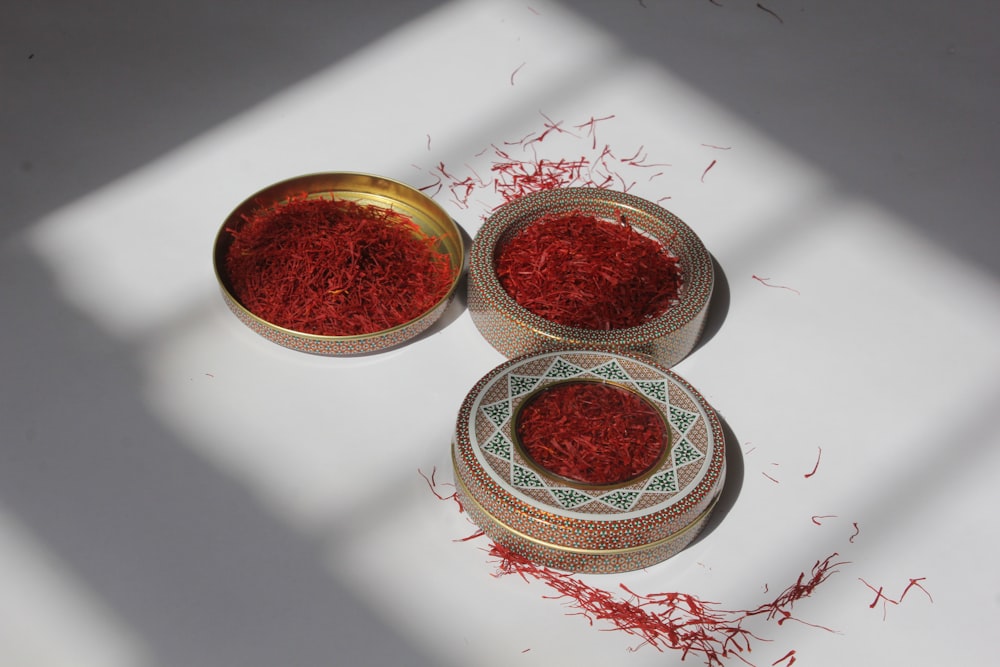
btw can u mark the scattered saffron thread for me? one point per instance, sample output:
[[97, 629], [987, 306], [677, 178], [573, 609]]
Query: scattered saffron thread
[[790, 657], [886, 600], [816, 518], [514, 176], [857, 531], [770, 478], [709, 167], [432, 484], [720, 148], [514, 73], [760, 6], [763, 281], [815, 467], [428, 142], [670, 620]]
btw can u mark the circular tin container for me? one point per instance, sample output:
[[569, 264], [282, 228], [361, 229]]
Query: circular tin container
[[579, 527], [364, 189], [514, 331]]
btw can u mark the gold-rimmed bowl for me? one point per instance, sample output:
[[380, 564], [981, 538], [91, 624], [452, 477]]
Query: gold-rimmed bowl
[[514, 330], [365, 189]]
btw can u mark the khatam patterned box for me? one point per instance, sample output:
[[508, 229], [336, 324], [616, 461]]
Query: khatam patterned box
[[514, 330], [573, 526]]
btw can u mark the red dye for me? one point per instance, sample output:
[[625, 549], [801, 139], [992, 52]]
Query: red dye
[[335, 267], [582, 271], [592, 432]]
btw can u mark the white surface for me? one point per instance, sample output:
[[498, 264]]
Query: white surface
[[176, 490]]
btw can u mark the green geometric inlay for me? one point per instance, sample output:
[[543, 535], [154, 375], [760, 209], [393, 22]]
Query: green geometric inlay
[[561, 368], [664, 482], [685, 452], [521, 384], [682, 419], [655, 390], [498, 412], [570, 498], [622, 500], [498, 445], [521, 476], [612, 371]]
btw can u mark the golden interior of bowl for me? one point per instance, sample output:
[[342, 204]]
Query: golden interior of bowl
[[365, 189]]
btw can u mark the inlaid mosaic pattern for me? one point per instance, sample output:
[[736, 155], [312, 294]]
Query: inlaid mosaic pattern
[[515, 497], [515, 331]]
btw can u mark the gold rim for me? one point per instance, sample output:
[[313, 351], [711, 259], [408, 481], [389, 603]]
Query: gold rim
[[467, 497]]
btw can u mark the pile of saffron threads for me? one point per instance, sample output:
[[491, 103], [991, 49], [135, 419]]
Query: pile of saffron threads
[[591, 432], [583, 271], [335, 267]]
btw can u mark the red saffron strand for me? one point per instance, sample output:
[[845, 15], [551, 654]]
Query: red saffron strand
[[707, 169], [816, 518], [582, 271], [592, 432], [914, 583], [790, 657], [764, 281], [857, 531], [815, 467], [770, 478], [760, 6], [514, 73], [335, 267]]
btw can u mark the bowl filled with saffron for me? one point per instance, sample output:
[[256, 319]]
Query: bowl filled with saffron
[[338, 263], [588, 461], [589, 268]]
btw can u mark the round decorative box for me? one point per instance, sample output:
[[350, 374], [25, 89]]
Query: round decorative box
[[514, 330], [576, 526], [367, 190]]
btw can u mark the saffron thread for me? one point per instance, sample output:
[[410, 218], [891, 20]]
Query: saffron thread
[[815, 467], [790, 657], [760, 6], [516, 70], [707, 169], [764, 281]]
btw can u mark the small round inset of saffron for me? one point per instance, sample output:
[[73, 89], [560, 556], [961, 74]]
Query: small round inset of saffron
[[592, 433]]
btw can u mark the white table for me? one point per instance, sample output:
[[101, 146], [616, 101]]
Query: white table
[[176, 490]]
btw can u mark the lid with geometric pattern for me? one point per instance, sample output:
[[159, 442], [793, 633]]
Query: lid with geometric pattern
[[578, 526]]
